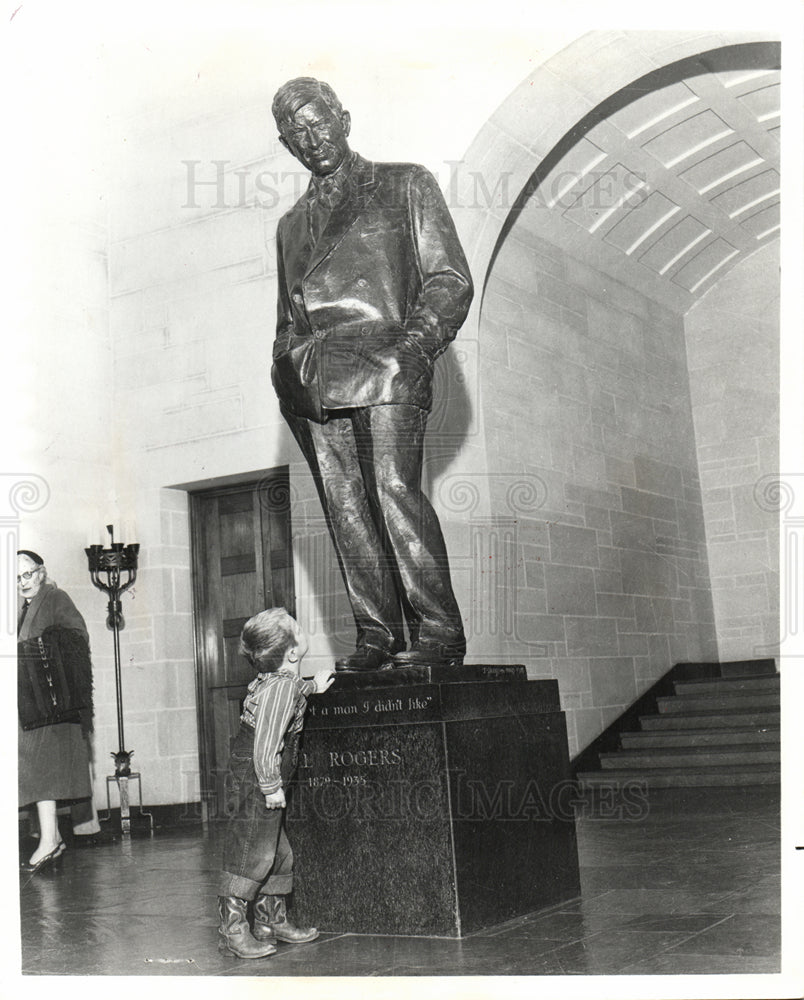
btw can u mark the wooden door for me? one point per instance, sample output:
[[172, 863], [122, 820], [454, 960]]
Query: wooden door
[[242, 563]]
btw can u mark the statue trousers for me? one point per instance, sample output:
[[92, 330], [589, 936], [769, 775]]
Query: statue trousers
[[367, 466]]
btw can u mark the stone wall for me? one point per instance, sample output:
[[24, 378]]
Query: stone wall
[[585, 395], [66, 434], [733, 350]]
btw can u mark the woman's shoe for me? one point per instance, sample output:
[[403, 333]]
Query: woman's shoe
[[31, 869]]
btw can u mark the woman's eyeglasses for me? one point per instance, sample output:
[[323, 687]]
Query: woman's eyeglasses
[[25, 577]]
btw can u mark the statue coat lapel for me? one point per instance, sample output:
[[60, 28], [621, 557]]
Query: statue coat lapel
[[362, 188]]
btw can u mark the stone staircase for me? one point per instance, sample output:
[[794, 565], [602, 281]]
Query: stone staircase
[[712, 730]]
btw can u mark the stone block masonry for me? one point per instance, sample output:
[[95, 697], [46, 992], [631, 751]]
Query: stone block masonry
[[607, 425]]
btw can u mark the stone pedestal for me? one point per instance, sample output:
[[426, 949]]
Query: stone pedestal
[[432, 801]]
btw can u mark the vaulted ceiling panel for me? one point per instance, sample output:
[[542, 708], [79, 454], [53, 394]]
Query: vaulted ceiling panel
[[637, 227], [687, 138], [672, 180], [675, 244], [570, 172], [763, 224], [654, 107], [610, 191], [737, 200], [724, 165], [704, 264], [764, 103], [742, 79]]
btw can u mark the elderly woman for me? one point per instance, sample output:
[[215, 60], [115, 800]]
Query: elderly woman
[[53, 759]]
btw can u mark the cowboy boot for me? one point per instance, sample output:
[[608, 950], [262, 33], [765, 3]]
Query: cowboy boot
[[234, 933], [271, 922]]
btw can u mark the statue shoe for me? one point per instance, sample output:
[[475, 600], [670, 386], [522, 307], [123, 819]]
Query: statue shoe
[[365, 658], [427, 653], [271, 922]]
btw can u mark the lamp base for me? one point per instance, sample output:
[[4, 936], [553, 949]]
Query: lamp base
[[125, 808], [122, 763]]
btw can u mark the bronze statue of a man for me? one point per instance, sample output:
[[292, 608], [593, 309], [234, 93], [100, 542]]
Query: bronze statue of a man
[[373, 286]]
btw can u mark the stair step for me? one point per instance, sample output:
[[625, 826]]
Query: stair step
[[718, 720], [736, 668], [741, 736], [704, 777], [726, 685], [652, 757], [735, 700]]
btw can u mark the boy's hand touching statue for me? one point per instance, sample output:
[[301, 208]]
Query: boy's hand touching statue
[[322, 680]]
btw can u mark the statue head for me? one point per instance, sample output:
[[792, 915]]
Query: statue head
[[312, 124]]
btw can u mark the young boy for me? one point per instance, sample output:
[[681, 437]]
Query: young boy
[[257, 858]]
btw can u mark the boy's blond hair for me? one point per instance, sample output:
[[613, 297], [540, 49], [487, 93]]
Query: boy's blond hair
[[266, 638]]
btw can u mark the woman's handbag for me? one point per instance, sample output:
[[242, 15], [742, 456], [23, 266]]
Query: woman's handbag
[[54, 679]]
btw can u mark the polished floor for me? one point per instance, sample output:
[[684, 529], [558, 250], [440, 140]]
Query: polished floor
[[693, 887]]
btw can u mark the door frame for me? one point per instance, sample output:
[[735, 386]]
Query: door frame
[[196, 493]]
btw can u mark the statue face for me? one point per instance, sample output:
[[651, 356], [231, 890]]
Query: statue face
[[317, 137]]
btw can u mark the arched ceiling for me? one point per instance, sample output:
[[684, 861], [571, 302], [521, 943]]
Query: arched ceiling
[[671, 181]]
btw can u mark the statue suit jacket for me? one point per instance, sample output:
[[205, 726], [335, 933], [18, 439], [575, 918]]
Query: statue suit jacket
[[364, 313]]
